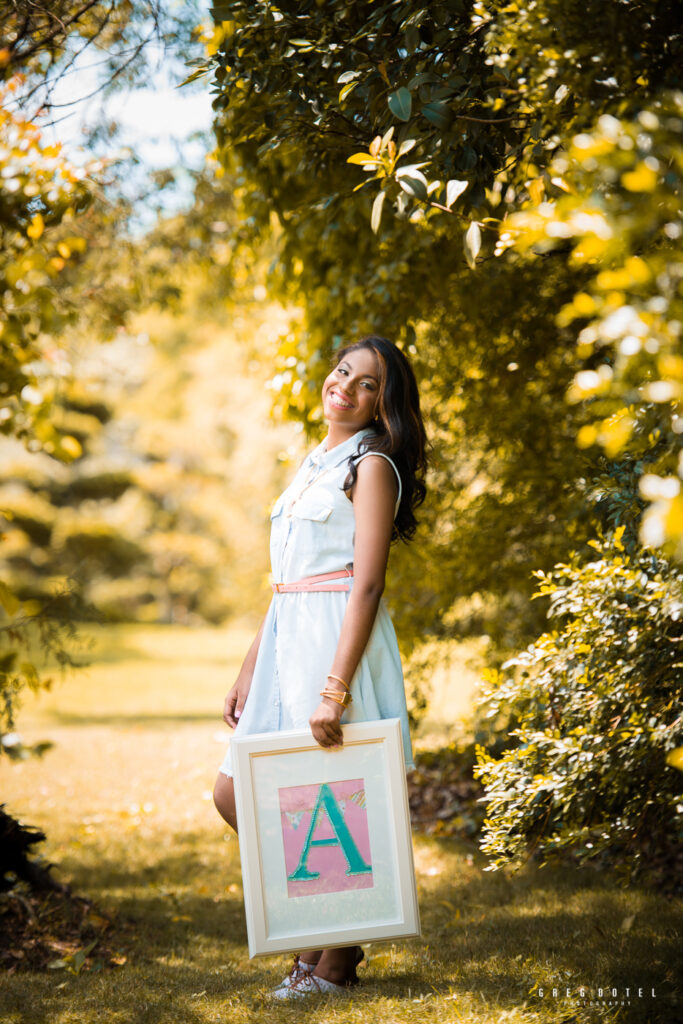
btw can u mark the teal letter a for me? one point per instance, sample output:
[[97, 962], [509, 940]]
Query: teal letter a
[[357, 866]]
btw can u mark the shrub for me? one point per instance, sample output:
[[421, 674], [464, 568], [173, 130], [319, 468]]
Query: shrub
[[596, 707]]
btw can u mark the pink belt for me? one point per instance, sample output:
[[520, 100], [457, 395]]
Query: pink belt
[[312, 582]]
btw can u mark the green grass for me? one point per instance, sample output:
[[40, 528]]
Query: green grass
[[125, 799]]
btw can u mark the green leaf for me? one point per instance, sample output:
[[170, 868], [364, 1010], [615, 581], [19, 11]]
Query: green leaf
[[376, 217], [412, 38], [472, 243], [406, 147], [345, 90], [438, 112], [421, 79], [454, 188], [400, 103], [413, 182]]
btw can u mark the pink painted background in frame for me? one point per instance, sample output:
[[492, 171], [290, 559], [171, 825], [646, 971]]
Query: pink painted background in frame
[[296, 808]]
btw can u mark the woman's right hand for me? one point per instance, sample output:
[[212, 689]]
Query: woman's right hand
[[235, 701]]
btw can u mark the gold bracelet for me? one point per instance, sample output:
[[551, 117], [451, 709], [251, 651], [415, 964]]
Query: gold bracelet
[[339, 680], [344, 699]]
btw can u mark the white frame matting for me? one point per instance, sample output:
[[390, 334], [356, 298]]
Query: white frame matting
[[386, 907]]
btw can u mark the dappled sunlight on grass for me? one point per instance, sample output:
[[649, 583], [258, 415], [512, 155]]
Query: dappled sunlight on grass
[[130, 822]]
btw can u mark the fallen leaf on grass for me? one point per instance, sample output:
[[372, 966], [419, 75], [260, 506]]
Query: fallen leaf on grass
[[74, 962], [98, 920]]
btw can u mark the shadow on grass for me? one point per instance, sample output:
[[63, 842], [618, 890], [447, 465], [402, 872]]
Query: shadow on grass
[[489, 936], [556, 928]]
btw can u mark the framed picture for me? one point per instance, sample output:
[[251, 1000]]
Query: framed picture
[[325, 842]]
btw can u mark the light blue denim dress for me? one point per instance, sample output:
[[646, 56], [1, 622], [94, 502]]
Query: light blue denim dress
[[312, 532]]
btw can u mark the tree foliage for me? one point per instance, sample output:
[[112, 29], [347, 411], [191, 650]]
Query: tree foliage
[[597, 717], [433, 125], [59, 225], [42, 195], [619, 212]]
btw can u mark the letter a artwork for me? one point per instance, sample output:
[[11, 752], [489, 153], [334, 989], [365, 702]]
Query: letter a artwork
[[326, 839]]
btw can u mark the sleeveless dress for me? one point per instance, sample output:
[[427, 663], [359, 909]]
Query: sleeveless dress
[[312, 532]]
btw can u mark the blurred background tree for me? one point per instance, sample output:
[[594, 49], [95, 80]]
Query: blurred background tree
[[124, 396]]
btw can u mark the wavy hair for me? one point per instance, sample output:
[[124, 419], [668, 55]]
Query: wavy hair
[[399, 430]]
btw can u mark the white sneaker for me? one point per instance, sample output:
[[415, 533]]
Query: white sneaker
[[299, 968], [308, 984]]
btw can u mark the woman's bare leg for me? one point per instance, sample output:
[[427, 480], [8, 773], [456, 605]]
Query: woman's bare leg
[[224, 799], [338, 965], [311, 956]]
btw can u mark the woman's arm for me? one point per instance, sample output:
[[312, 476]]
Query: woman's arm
[[234, 702], [374, 498]]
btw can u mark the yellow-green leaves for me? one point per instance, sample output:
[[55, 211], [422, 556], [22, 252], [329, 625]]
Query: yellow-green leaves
[[8, 599], [40, 191], [641, 179], [595, 706], [675, 758], [613, 200], [376, 217], [366, 160], [454, 188], [412, 181], [472, 243]]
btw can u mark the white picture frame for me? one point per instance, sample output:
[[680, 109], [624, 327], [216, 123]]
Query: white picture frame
[[325, 840]]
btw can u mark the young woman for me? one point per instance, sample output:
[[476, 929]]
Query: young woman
[[327, 628]]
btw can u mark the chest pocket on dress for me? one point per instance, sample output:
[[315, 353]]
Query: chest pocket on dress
[[316, 511], [278, 508]]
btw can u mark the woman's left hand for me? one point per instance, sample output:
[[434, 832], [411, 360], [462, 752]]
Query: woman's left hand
[[325, 724]]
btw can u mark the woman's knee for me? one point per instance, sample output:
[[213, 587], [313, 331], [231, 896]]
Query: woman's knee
[[224, 799]]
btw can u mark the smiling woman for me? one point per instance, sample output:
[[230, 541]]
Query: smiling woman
[[327, 633], [351, 392]]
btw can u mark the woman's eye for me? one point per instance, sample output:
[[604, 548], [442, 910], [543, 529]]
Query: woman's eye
[[340, 370]]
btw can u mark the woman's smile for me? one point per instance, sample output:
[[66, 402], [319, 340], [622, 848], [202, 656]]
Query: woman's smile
[[339, 400]]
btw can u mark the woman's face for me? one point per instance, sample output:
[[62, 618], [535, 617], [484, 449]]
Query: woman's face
[[351, 392]]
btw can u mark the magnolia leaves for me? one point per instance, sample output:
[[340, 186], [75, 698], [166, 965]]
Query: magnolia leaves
[[381, 160], [376, 216], [401, 103], [412, 180], [454, 188], [472, 243]]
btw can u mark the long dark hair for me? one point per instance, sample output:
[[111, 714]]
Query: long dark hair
[[399, 430]]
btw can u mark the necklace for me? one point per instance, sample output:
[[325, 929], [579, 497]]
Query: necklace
[[315, 475]]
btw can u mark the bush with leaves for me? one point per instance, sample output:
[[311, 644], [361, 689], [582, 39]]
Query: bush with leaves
[[596, 706]]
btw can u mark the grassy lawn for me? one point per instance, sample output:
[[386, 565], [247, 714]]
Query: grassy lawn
[[125, 799]]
